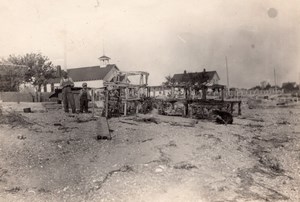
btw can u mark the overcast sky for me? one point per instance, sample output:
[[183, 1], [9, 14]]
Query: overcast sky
[[162, 37]]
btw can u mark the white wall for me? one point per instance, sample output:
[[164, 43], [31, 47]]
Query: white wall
[[49, 87], [91, 84], [215, 79], [27, 88]]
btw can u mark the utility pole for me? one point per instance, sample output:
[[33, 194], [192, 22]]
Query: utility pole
[[275, 80], [298, 83], [103, 49], [227, 74], [65, 47]]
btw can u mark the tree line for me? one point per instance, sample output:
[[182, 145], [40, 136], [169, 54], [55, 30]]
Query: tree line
[[33, 68], [287, 86]]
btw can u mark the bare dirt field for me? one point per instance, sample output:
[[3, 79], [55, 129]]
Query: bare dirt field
[[52, 156]]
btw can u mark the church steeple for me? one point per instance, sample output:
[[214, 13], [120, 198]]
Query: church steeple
[[104, 60]]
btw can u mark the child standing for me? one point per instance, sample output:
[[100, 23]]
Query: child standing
[[85, 97]]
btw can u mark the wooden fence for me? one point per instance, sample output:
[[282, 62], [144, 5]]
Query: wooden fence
[[24, 97]]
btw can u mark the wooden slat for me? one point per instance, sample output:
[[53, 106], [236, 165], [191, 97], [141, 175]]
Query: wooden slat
[[102, 127]]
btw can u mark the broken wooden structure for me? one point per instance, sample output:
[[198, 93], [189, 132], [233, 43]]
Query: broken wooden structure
[[191, 101], [124, 97]]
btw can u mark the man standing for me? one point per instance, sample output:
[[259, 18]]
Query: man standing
[[67, 83]]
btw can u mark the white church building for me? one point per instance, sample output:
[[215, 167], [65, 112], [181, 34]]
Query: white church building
[[94, 76]]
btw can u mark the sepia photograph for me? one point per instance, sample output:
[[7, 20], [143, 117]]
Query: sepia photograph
[[150, 101]]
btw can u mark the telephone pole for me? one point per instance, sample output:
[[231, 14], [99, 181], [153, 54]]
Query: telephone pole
[[65, 47], [299, 83], [227, 74], [275, 80]]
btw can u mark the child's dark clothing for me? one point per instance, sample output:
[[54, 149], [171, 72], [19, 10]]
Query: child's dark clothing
[[84, 100]]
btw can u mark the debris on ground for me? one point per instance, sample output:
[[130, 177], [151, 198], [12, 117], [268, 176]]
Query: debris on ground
[[127, 122], [223, 117], [21, 137], [270, 163], [146, 140], [100, 137], [13, 190], [190, 124], [144, 119], [171, 144], [83, 119], [160, 169], [43, 190], [14, 119], [27, 110], [283, 122], [255, 159], [185, 166]]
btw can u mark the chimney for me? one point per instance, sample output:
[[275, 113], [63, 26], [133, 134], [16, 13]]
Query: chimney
[[204, 70], [184, 71]]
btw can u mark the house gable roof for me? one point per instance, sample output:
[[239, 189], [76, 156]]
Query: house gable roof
[[201, 76], [88, 73]]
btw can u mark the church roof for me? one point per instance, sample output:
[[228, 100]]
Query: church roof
[[88, 73]]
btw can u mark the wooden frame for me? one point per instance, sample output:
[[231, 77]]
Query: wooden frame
[[128, 88]]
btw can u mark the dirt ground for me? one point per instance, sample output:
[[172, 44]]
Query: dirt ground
[[52, 156]]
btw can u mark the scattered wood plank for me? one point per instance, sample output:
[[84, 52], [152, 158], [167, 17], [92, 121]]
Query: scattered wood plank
[[102, 129], [174, 121], [127, 122]]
